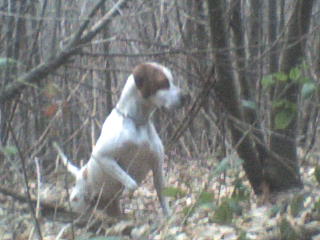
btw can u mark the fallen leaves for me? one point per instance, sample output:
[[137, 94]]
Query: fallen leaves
[[205, 206]]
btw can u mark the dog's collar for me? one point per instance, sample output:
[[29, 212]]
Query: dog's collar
[[138, 122]]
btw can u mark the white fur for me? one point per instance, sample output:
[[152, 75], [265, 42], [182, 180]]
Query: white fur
[[127, 148]]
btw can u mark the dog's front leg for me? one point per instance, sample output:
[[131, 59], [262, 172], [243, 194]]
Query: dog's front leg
[[158, 180], [112, 168]]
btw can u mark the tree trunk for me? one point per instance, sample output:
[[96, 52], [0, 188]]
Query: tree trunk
[[107, 75], [227, 91], [272, 36], [284, 174], [246, 86]]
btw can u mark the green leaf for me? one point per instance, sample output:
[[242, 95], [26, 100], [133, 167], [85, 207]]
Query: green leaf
[[188, 210], [280, 76], [235, 205], [249, 104], [240, 192], [284, 118], [267, 81], [5, 62], [274, 210], [173, 192], [304, 80], [317, 173], [205, 198], [224, 213], [279, 103], [285, 105], [287, 231], [295, 74], [242, 236], [304, 66], [308, 89], [9, 150], [296, 205]]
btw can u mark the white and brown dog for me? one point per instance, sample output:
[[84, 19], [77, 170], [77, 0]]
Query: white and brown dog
[[129, 146]]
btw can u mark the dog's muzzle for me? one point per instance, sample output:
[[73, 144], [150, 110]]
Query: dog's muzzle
[[181, 100]]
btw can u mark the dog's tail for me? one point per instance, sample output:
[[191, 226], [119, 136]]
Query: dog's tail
[[71, 168]]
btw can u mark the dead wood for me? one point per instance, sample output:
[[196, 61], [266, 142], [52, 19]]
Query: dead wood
[[48, 209]]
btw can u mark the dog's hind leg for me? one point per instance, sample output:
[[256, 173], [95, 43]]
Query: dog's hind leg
[[112, 168]]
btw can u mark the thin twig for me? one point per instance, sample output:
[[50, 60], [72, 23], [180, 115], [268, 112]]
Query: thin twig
[[41, 71], [194, 109], [89, 35], [36, 37], [77, 36], [26, 181]]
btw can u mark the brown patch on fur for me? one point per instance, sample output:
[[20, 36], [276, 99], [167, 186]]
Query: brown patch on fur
[[85, 173], [149, 79]]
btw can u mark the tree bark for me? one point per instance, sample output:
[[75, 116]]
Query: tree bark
[[285, 174], [229, 96], [107, 75], [272, 36]]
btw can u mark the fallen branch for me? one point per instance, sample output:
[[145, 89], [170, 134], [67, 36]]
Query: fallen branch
[[47, 209], [56, 212]]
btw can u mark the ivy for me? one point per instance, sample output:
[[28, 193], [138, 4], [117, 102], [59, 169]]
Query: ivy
[[9, 150], [6, 62], [308, 89], [295, 75], [284, 118], [267, 81], [174, 192], [286, 111]]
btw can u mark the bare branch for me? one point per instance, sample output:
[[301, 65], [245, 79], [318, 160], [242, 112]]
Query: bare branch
[[103, 21], [43, 70]]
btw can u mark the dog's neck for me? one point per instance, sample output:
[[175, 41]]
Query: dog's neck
[[132, 105]]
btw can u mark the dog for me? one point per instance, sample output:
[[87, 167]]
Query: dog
[[129, 145]]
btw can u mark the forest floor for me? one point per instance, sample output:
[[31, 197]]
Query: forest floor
[[209, 200]]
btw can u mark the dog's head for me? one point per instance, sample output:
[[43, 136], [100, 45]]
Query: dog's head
[[80, 195], [155, 83]]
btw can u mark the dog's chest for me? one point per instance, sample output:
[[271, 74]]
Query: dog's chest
[[137, 155]]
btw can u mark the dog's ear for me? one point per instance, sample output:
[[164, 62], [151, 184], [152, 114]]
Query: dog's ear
[[149, 79], [85, 174], [139, 74]]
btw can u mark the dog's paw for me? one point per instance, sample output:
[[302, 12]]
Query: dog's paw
[[132, 185]]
